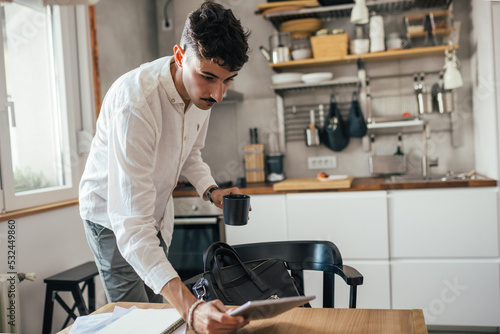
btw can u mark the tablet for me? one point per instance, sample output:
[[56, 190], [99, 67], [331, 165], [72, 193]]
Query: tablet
[[262, 309]]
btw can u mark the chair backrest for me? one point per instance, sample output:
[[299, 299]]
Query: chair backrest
[[304, 255]]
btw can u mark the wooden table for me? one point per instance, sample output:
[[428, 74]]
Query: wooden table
[[321, 320]]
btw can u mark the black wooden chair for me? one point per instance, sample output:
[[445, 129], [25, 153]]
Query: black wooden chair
[[308, 255]]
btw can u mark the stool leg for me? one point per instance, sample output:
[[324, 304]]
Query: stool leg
[[48, 310], [77, 295], [91, 294]]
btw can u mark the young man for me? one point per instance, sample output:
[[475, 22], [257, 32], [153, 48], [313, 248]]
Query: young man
[[151, 128]]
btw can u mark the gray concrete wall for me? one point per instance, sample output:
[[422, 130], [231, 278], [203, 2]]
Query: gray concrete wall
[[126, 37]]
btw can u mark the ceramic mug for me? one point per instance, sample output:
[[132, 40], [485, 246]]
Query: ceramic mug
[[235, 208]]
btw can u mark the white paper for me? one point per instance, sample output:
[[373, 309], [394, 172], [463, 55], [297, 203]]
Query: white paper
[[151, 321], [89, 324]]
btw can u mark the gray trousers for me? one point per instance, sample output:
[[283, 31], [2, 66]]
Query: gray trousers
[[120, 281]]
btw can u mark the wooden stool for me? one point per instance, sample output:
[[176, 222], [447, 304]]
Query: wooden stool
[[70, 280]]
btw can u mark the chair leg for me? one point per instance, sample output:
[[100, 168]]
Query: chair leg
[[353, 296], [80, 303], [48, 310], [69, 311], [328, 289], [91, 294]]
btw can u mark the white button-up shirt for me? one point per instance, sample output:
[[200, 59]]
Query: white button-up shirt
[[144, 140]]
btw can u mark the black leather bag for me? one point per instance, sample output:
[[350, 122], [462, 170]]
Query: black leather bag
[[356, 125], [239, 282], [335, 135]]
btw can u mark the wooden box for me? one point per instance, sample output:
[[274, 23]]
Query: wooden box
[[330, 46], [254, 163]]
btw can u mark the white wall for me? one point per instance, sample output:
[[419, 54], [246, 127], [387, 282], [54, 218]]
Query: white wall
[[47, 243]]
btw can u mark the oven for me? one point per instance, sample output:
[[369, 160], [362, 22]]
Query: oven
[[197, 224]]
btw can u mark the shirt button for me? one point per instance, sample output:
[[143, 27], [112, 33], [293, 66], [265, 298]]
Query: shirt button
[[182, 104], [185, 137], [172, 100], [198, 127]]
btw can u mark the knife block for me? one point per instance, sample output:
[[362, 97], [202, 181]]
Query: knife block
[[254, 163]]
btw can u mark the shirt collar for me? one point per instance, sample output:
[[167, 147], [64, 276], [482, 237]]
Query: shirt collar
[[168, 83]]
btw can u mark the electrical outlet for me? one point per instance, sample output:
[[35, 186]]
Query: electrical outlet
[[325, 162]]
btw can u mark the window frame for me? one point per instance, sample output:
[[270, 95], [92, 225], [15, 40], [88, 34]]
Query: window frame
[[72, 25]]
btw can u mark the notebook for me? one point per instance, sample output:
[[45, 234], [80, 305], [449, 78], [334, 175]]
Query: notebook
[[151, 321]]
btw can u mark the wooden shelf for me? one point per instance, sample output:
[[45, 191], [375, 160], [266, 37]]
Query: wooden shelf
[[382, 7], [367, 57], [436, 32]]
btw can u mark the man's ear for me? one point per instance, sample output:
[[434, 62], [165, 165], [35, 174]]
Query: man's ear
[[178, 55]]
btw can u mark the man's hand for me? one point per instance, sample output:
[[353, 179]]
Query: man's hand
[[207, 318], [218, 194], [212, 317]]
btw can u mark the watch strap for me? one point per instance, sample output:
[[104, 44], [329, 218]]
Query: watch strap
[[209, 193]]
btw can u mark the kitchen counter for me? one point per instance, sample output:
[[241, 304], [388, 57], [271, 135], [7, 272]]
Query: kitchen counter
[[364, 184]]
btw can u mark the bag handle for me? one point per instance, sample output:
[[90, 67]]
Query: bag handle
[[214, 245], [234, 255], [216, 271]]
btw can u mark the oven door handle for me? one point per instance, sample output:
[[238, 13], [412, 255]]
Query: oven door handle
[[195, 221]]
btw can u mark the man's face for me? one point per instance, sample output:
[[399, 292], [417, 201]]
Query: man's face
[[205, 82]]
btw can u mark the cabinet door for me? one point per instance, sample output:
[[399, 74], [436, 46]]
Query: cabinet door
[[267, 221], [461, 293], [374, 293], [454, 223], [354, 221]]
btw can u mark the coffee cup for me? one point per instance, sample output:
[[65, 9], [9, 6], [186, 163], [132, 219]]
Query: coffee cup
[[235, 208]]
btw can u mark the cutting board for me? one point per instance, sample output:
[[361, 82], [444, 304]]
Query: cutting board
[[305, 3], [312, 184]]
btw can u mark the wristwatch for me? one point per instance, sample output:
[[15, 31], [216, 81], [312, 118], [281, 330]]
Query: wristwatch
[[209, 193]]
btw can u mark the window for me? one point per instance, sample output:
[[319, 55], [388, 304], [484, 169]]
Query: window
[[44, 87]]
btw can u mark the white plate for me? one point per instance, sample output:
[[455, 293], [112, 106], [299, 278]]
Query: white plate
[[317, 77], [333, 177], [287, 77]]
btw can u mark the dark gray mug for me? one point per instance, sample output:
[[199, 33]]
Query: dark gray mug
[[235, 208]]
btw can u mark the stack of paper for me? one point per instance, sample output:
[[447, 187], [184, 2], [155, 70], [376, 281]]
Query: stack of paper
[[133, 320]]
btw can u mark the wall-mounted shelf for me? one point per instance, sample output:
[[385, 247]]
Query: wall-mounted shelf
[[281, 88], [396, 126], [328, 13], [367, 57]]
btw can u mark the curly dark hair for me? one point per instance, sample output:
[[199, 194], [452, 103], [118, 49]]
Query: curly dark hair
[[215, 34]]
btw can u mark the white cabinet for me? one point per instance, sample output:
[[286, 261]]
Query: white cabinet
[[267, 221], [444, 223], [458, 293], [444, 254], [357, 223], [354, 221]]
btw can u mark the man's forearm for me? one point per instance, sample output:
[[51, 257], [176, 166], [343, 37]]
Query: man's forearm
[[179, 296]]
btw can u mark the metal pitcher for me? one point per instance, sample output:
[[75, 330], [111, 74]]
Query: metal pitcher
[[279, 48]]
